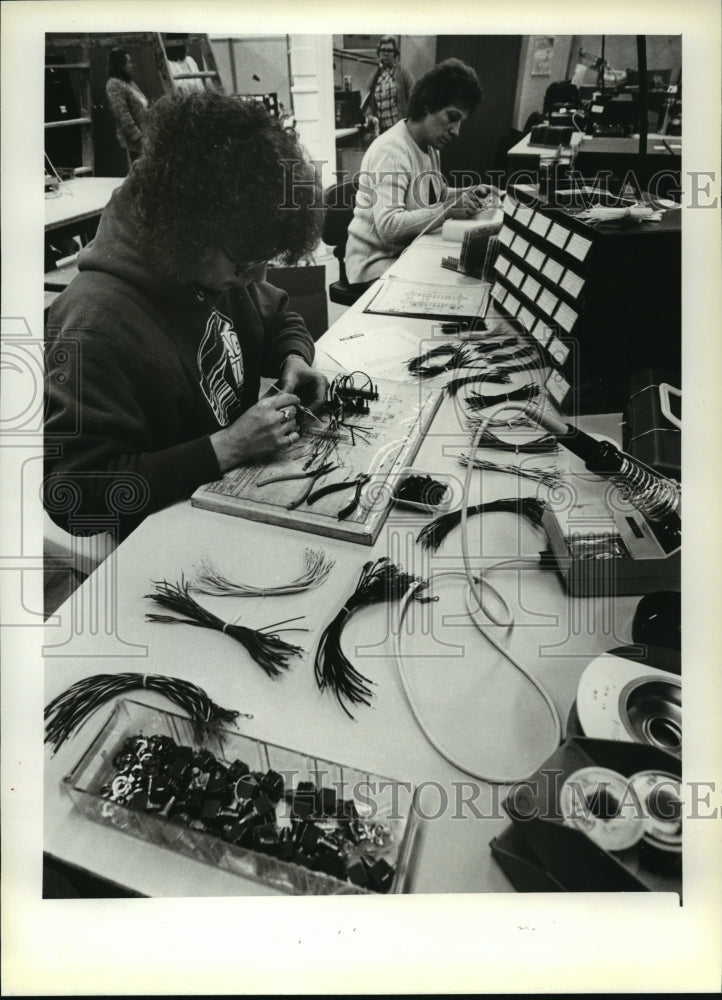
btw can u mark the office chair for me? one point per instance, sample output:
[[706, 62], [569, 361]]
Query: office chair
[[561, 92], [510, 138], [306, 290], [339, 200]]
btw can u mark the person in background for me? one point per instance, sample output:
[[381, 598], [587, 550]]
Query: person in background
[[127, 102], [179, 62], [402, 192], [156, 348], [388, 87]]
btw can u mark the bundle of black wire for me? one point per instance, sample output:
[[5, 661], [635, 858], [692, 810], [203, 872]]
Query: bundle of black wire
[[490, 346], [539, 446], [68, 711], [457, 356], [498, 377], [477, 401], [267, 648], [433, 534], [379, 581]]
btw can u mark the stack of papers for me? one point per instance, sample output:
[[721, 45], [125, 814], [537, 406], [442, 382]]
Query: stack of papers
[[454, 230]]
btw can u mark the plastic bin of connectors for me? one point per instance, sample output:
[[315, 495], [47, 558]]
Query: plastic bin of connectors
[[419, 490], [294, 822]]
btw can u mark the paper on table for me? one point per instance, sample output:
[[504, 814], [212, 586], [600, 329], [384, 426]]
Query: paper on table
[[424, 264], [382, 352], [398, 297]]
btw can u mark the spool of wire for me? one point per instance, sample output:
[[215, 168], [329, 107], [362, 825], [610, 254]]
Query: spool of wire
[[658, 795], [590, 801]]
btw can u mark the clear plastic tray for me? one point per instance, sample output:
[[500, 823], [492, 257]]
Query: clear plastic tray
[[377, 797], [427, 508]]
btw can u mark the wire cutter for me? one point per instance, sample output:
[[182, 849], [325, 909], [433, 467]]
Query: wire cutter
[[359, 482], [312, 475]]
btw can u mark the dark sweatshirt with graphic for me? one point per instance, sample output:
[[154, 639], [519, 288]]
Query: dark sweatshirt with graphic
[[140, 373]]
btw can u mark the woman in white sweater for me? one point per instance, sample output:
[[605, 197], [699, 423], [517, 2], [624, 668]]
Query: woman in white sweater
[[401, 189]]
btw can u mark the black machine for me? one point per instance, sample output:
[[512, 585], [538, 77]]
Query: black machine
[[347, 107], [614, 116]]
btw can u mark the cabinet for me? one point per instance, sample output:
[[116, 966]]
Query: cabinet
[[68, 120]]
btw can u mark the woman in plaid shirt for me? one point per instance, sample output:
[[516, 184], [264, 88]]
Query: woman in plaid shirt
[[389, 87]]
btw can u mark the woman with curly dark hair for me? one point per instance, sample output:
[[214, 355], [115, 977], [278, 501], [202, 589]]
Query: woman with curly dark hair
[[172, 317], [401, 189]]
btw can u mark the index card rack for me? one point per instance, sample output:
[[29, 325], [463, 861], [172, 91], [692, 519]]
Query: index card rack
[[599, 299]]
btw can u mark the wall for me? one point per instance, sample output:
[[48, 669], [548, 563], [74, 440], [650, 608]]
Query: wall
[[418, 54], [311, 60], [265, 56], [530, 89], [296, 67]]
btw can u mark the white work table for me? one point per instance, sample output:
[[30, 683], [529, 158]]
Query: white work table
[[78, 199], [469, 696]]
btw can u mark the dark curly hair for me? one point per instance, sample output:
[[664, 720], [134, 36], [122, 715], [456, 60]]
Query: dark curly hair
[[117, 59], [449, 82], [218, 172]]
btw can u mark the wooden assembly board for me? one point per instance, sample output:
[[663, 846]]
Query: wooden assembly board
[[387, 440]]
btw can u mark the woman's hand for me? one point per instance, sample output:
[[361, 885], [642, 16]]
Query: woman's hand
[[487, 195], [268, 426], [464, 205], [299, 377], [471, 200]]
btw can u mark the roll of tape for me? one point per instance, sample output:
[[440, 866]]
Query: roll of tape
[[590, 801], [620, 699], [659, 795]]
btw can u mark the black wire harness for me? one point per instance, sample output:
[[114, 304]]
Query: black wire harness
[[433, 534], [267, 648], [379, 581], [66, 713]]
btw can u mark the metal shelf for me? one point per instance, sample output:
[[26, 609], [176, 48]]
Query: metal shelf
[[69, 121]]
